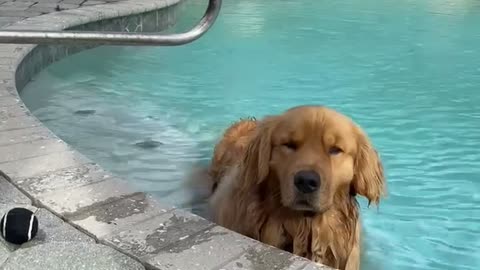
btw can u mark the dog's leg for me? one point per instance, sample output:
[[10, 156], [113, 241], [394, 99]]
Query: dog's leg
[[273, 233]]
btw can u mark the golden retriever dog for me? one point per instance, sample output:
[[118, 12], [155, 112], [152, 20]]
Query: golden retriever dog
[[290, 181]]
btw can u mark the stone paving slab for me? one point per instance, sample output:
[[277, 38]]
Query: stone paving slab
[[31, 149], [5, 75], [7, 248], [151, 236], [10, 194], [12, 55], [7, 87], [125, 213], [13, 110], [4, 253], [7, 124], [266, 257], [69, 201], [35, 166], [17, 13], [68, 178], [17, 5], [24, 135], [4, 21], [208, 249], [4, 102], [52, 229], [71, 256]]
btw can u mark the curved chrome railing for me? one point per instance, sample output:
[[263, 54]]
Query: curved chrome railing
[[115, 38]]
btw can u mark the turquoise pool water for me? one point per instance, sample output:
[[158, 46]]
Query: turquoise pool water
[[407, 71]]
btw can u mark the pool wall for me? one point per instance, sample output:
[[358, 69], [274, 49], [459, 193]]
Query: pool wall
[[56, 177]]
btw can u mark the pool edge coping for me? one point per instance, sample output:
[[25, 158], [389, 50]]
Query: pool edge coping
[[48, 158]]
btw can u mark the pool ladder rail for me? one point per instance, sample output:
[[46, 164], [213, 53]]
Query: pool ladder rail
[[114, 38]]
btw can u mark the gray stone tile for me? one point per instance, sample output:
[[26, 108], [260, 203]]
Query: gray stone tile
[[7, 246], [7, 60], [31, 167], [6, 75], [5, 69], [70, 201], [41, 9], [60, 180], [206, 250], [18, 5], [11, 49], [5, 7], [10, 194], [15, 110], [52, 229], [68, 5], [43, 1], [24, 135], [4, 253], [51, 5], [71, 256], [17, 123], [8, 101], [9, 20], [17, 13], [28, 26], [119, 215], [148, 238], [266, 257], [31, 149]]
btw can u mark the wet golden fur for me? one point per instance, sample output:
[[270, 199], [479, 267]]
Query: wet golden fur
[[253, 167]]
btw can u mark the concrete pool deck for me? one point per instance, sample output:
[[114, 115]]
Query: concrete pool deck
[[88, 218]]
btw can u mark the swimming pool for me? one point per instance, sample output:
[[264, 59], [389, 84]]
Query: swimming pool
[[407, 71]]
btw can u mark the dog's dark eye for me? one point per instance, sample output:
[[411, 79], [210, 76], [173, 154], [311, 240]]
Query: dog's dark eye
[[291, 145], [335, 150]]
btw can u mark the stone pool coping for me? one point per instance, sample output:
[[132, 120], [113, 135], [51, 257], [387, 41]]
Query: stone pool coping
[[105, 207]]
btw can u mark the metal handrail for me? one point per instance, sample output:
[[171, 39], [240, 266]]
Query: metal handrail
[[114, 38]]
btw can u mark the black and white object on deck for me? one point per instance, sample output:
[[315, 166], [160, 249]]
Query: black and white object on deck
[[19, 225]]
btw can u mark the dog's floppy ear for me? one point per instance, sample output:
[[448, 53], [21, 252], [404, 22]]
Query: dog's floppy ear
[[256, 167], [369, 179]]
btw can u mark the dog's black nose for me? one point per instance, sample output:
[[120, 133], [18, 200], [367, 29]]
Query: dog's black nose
[[307, 181]]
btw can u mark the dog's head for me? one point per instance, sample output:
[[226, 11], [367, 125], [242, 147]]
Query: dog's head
[[313, 154]]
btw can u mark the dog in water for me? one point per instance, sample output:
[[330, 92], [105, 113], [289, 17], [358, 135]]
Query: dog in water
[[291, 181]]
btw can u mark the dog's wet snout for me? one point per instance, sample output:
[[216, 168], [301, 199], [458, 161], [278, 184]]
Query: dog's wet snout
[[307, 181]]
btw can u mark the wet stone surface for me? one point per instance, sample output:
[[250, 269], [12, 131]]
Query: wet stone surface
[[70, 201], [63, 179], [149, 237], [265, 257], [72, 256], [121, 214], [53, 229], [208, 249], [9, 194]]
